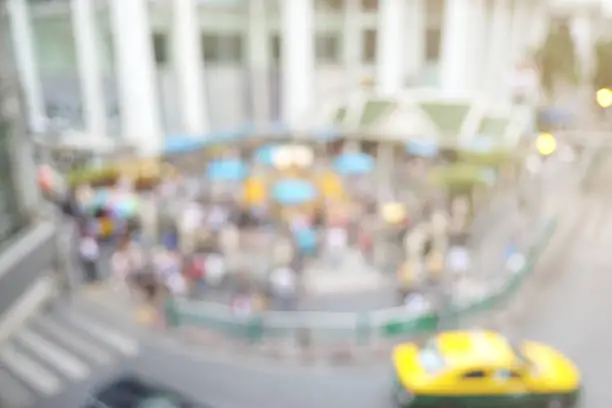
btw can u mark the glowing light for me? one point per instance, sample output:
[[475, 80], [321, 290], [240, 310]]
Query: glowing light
[[546, 144], [604, 98]]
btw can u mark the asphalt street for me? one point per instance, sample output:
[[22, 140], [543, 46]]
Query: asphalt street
[[568, 312]]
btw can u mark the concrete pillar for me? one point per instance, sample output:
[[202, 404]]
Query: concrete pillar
[[84, 24], [537, 28], [351, 41], [391, 41], [414, 30], [136, 73], [189, 67], [27, 65], [584, 40], [258, 42], [456, 70], [297, 59], [497, 75]]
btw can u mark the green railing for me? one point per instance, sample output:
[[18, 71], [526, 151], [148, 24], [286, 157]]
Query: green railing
[[361, 329]]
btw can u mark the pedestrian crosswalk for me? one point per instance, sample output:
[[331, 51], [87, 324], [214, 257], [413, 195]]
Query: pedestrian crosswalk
[[57, 349]]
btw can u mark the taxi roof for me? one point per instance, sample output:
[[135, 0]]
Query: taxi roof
[[475, 349]]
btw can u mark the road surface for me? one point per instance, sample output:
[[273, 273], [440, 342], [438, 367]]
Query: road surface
[[569, 312]]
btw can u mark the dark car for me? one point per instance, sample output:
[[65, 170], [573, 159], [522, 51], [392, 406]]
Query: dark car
[[130, 391]]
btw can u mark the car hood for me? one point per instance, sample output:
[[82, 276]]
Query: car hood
[[408, 368], [553, 370]]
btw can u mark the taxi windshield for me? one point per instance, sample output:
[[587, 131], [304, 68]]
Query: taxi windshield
[[518, 352], [430, 358]]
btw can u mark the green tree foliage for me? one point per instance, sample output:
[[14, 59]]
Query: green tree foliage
[[557, 58], [603, 69]]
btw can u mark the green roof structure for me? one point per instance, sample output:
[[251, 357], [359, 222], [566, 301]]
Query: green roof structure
[[429, 114]]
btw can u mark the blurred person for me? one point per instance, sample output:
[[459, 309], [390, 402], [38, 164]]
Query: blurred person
[[89, 253], [365, 242], [196, 273], [405, 279], [217, 217], [336, 243], [284, 285], [191, 219], [215, 269], [229, 240]]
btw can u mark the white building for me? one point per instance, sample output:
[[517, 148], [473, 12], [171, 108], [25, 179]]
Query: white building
[[144, 69]]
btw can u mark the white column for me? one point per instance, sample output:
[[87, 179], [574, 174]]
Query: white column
[[538, 24], [90, 75], [520, 35], [476, 50], [297, 59], [258, 41], [391, 44], [138, 95], [497, 72], [189, 67], [584, 40], [27, 65], [456, 45], [415, 38], [351, 41]]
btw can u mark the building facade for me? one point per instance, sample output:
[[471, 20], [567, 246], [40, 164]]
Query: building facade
[[143, 69], [27, 242]]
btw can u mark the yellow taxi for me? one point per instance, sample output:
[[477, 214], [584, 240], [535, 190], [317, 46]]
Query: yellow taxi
[[474, 369]]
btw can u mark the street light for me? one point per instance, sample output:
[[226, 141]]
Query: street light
[[546, 144], [604, 98]]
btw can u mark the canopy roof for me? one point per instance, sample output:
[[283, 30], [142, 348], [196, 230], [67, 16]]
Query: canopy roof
[[421, 114]]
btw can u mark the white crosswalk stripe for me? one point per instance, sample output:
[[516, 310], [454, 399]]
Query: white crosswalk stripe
[[48, 351], [72, 340], [31, 372], [53, 350]]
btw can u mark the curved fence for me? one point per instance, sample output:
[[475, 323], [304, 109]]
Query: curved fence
[[309, 329]]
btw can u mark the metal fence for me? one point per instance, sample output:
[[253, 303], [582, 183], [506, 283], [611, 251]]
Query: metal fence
[[313, 329]]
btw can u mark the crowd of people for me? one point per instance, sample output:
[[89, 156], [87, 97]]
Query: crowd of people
[[218, 249]]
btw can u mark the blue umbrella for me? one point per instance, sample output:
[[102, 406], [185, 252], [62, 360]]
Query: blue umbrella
[[294, 191], [227, 170], [307, 240], [265, 154], [182, 144], [422, 148], [354, 163]]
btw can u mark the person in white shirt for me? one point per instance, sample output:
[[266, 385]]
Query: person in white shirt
[[337, 241], [215, 269], [284, 286], [191, 219], [89, 253], [120, 266]]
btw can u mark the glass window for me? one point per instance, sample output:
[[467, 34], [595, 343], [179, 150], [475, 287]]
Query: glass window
[[504, 375], [275, 48], [369, 5], [368, 53], [430, 358], [209, 47], [160, 47], [327, 48], [329, 5], [474, 374], [226, 49], [433, 38]]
